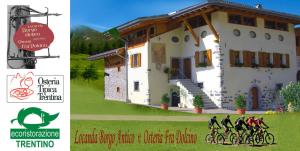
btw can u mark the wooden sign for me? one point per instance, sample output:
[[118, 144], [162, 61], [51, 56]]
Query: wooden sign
[[33, 37]]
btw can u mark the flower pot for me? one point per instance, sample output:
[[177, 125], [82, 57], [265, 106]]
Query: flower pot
[[164, 106], [198, 110], [241, 111]]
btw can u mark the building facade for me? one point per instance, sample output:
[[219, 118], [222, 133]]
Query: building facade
[[216, 49]]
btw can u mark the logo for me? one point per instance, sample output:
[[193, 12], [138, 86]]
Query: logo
[[23, 90], [31, 88], [34, 135], [33, 37]]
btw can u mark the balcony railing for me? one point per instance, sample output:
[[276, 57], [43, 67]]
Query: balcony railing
[[137, 41]]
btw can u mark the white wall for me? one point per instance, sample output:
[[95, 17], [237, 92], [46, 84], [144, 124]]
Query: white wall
[[210, 76], [239, 80], [139, 74], [159, 83]]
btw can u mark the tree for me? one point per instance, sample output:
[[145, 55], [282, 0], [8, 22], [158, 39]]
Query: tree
[[74, 72], [90, 72], [291, 95]]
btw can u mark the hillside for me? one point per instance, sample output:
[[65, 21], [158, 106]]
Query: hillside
[[85, 40]]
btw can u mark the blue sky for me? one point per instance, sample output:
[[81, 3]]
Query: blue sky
[[104, 14]]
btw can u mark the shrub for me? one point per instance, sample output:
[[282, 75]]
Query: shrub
[[270, 112], [90, 73], [203, 64], [291, 95], [74, 72], [198, 102], [167, 70], [240, 102], [165, 99]]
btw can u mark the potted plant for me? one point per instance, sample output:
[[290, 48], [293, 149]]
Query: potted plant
[[165, 102], [283, 66], [240, 104], [202, 64], [198, 104], [166, 70], [239, 64], [254, 65], [270, 65]]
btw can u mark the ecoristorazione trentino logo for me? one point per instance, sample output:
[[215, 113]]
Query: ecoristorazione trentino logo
[[34, 134]]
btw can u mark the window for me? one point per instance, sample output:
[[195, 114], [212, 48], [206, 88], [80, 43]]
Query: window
[[135, 60], [235, 59], [253, 58], [136, 86], [281, 60], [270, 24], [298, 41], [118, 89], [235, 19], [141, 33], [203, 58], [250, 21], [119, 69], [197, 21], [152, 31], [242, 20], [276, 25], [282, 26]]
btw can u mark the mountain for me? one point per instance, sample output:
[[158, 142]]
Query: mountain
[[86, 40]]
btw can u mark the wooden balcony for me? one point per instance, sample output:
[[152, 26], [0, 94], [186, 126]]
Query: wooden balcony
[[137, 42]]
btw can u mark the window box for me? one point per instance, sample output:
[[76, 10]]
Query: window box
[[254, 65], [238, 64], [203, 64], [270, 65], [283, 66]]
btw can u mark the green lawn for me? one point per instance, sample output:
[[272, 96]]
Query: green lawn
[[285, 127], [87, 97]]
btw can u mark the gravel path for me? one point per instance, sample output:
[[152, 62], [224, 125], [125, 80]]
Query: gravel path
[[137, 118]]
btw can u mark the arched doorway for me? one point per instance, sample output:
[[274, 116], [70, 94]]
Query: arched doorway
[[175, 99], [254, 94], [298, 76]]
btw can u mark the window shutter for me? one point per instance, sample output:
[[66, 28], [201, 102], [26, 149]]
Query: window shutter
[[209, 57], [276, 57], [197, 58], [139, 60], [231, 53], [260, 58], [246, 59], [131, 61], [287, 60]]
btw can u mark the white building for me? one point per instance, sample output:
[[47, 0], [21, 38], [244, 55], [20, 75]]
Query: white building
[[216, 49]]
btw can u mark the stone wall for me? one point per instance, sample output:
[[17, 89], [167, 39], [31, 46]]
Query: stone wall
[[115, 83]]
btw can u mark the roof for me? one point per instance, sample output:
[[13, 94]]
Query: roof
[[205, 3], [106, 54]]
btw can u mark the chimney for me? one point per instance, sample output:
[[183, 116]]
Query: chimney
[[258, 6]]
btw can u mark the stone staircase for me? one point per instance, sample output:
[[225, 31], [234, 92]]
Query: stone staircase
[[194, 90]]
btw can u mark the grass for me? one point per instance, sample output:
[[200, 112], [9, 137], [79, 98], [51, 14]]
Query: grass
[[285, 127], [88, 97]]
